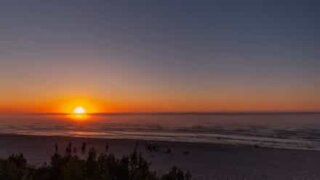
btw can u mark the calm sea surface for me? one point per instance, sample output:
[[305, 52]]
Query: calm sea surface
[[296, 131]]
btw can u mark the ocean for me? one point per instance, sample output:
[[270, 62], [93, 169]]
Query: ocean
[[275, 130]]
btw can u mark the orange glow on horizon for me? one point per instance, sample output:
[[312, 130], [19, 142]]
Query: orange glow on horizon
[[77, 106], [114, 104]]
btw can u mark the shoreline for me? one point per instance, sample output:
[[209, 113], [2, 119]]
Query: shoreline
[[220, 143]]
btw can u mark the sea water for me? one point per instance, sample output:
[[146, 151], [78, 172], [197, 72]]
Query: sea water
[[276, 130]]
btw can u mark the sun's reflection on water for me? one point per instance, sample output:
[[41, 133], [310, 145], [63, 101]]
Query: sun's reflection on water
[[78, 117]]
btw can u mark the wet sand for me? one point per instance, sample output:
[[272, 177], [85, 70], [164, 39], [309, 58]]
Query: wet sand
[[204, 161]]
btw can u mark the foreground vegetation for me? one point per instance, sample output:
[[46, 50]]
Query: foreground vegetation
[[95, 166]]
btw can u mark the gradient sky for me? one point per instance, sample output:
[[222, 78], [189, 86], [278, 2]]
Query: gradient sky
[[160, 55]]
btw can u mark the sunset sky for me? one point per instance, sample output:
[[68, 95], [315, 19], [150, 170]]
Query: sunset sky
[[159, 55]]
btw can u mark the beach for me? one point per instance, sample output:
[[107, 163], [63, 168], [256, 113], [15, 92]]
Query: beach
[[203, 160]]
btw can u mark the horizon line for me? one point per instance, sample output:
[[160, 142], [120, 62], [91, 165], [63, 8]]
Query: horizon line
[[170, 113]]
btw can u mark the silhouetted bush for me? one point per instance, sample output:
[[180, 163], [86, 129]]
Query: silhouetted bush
[[104, 166], [14, 168], [176, 174]]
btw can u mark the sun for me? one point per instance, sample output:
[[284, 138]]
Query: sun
[[79, 113], [79, 110]]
